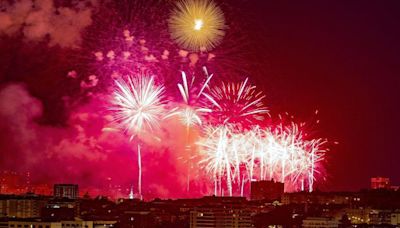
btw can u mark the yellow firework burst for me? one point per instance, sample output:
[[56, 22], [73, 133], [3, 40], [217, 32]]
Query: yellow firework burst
[[197, 24]]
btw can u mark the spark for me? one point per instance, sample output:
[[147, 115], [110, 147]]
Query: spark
[[197, 24]]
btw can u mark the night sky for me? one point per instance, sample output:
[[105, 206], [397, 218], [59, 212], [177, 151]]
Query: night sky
[[339, 57], [343, 59]]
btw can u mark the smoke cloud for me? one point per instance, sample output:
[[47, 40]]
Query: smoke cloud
[[42, 20], [89, 150]]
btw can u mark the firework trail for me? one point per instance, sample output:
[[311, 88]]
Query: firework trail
[[224, 153], [218, 157], [192, 112], [282, 153], [197, 25], [138, 106], [302, 155]]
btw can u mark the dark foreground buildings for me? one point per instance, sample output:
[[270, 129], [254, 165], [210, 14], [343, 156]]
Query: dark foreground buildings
[[368, 208]]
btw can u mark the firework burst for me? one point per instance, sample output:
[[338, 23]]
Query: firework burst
[[197, 24], [138, 106], [237, 103]]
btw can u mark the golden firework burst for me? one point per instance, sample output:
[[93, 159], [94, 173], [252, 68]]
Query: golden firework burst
[[197, 25]]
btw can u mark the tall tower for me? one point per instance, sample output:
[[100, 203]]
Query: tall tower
[[131, 193]]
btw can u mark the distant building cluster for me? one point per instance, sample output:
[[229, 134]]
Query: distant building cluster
[[382, 183], [268, 206], [12, 182]]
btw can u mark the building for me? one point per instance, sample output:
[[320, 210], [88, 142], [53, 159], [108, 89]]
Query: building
[[395, 218], [357, 215], [318, 222], [69, 191], [266, 190], [34, 224], [319, 198], [220, 217], [38, 223], [21, 208], [380, 216], [139, 219], [380, 183], [26, 206], [3, 224]]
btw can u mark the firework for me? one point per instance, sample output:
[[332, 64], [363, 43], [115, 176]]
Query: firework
[[138, 106], [237, 103], [281, 153], [218, 157], [234, 145], [197, 24], [191, 113]]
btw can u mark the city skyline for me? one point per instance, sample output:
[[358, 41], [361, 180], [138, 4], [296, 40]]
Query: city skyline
[[268, 206], [12, 183]]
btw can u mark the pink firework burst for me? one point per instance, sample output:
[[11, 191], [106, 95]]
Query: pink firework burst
[[237, 103]]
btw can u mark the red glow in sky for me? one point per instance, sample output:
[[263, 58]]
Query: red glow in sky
[[339, 58]]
